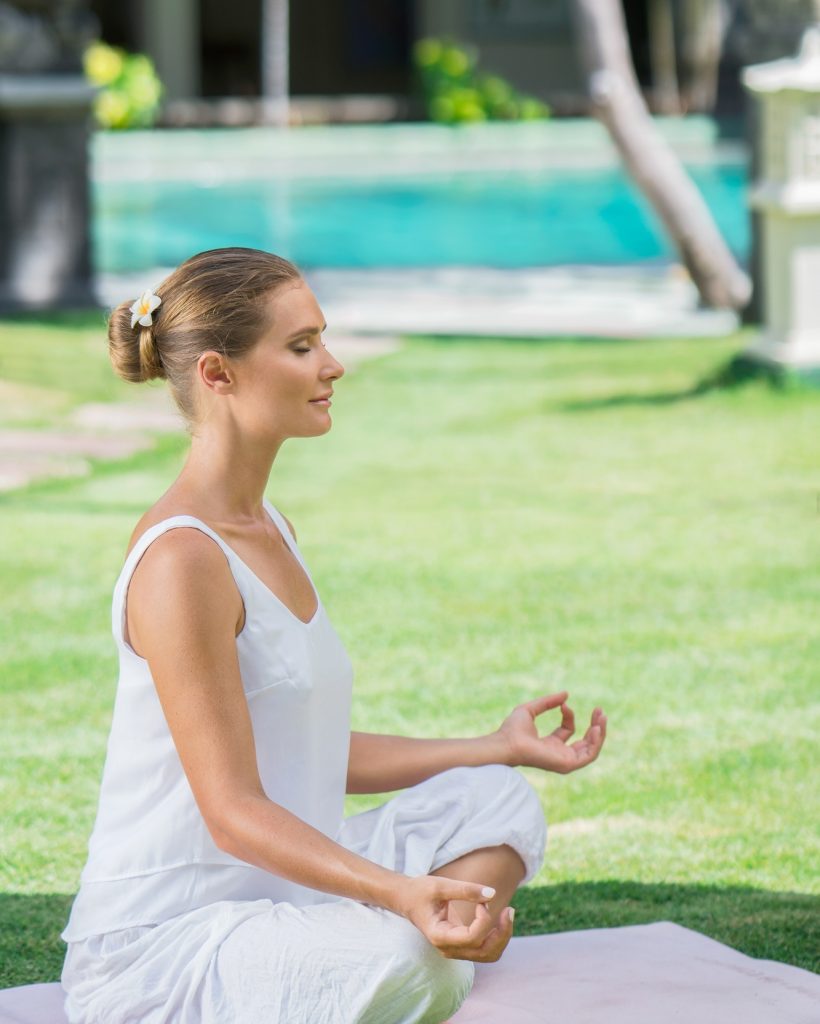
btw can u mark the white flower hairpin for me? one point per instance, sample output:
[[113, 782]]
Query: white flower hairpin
[[143, 308]]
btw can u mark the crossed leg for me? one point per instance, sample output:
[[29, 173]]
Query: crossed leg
[[498, 866]]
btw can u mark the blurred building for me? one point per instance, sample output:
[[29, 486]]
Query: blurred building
[[352, 59]]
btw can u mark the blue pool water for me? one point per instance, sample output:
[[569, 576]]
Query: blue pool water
[[510, 219]]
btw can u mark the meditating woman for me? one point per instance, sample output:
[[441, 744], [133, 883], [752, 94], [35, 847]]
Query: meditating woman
[[223, 884]]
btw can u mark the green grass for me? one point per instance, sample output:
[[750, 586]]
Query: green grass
[[486, 521], [50, 364]]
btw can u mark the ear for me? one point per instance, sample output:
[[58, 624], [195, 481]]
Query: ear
[[215, 372]]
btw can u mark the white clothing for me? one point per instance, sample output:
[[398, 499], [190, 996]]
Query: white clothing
[[150, 853], [338, 962], [168, 929]]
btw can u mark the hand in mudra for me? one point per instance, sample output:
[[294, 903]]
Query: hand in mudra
[[427, 903], [551, 752]]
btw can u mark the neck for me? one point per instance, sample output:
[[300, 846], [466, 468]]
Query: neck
[[226, 475]]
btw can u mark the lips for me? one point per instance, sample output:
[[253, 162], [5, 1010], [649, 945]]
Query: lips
[[322, 398]]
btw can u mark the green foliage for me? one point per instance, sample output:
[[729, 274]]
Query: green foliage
[[130, 90], [457, 92]]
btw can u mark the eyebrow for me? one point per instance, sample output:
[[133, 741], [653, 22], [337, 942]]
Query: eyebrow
[[306, 330]]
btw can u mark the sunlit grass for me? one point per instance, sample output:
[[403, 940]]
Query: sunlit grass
[[487, 521]]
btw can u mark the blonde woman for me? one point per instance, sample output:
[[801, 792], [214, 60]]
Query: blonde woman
[[223, 883]]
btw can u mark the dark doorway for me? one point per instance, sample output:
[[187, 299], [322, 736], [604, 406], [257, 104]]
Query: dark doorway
[[229, 47], [351, 46], [637, 25]]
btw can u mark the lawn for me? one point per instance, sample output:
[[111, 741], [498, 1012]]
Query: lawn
[[486, 521]]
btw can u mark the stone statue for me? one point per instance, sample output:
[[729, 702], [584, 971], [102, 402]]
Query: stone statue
[[45, 121], [42, 36]]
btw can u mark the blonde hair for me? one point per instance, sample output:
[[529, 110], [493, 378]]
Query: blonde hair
[[212, 301]]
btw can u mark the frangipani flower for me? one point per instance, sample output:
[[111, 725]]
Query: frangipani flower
[[143, 308]]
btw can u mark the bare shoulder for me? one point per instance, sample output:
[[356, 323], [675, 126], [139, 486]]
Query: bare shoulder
[[182, 554], [156, 514], [184, 578]]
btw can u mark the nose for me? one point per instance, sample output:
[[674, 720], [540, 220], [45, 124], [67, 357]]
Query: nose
[[333, 365]]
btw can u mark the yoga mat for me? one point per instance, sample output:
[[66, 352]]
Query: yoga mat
[[641, 974]]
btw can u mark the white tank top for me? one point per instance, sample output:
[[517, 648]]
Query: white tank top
[[150, 855]]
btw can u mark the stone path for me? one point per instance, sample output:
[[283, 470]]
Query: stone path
[[99, 430]]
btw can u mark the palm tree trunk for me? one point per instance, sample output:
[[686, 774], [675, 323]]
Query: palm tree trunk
[[650, 160]]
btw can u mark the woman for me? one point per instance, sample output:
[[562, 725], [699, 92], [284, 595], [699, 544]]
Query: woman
[[222, 882]]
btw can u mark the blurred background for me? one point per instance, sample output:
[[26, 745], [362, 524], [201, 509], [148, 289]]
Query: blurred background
[[442, 136], [568, 252]]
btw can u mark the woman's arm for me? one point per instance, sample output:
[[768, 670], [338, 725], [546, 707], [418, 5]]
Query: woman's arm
[[184, 606], [381, 764]]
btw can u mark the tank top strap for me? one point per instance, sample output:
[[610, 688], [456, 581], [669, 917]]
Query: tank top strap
[[135, 554]]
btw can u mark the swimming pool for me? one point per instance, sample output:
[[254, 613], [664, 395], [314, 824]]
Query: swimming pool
[[361, 217]]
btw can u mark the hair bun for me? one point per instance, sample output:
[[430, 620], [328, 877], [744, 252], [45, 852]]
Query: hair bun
[[132, 350]]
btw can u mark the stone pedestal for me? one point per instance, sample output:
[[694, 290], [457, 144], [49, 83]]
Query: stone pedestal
[[45, 252], [786, 198]]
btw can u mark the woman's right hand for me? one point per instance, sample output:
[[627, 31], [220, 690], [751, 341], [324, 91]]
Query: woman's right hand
[[425, 902]]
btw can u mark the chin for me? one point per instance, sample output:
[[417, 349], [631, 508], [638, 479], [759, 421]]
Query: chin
[[319, 429]]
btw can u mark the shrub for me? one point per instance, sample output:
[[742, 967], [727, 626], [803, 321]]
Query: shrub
[[129, 88], [455, 91]]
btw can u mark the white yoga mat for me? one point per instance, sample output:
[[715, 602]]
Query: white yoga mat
[[642, 974]]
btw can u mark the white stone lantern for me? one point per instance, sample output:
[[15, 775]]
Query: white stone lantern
[[787, 196]]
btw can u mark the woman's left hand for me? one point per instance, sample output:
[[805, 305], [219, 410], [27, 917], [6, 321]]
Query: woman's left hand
[[551, 752]]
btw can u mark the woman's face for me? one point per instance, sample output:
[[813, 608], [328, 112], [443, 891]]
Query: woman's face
[[280, 379]]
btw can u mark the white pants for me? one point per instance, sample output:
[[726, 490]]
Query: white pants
[[337, 962]]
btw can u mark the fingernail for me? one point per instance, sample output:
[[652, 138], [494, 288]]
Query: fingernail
[[512, 914], [488, 892]]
